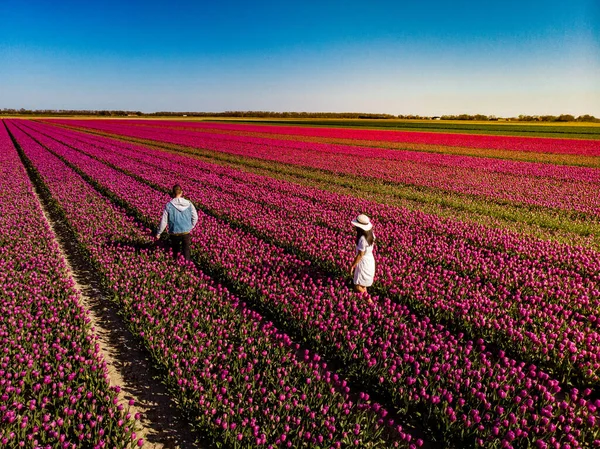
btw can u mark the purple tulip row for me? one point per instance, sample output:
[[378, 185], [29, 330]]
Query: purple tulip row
[[557, 255], [552, 254], [562, 187], [465, 387], [514, 143], [247, 383], [545, 313], [54, 388]]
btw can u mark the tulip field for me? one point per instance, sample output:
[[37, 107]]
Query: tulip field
[[482, 328], [54, 390]]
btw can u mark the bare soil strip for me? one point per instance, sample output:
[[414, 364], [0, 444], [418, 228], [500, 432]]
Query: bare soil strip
[[129, 366]]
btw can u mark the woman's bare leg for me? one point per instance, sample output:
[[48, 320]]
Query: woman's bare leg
[[360, 288]]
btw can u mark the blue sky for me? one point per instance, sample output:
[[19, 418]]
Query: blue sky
[[400, 57]]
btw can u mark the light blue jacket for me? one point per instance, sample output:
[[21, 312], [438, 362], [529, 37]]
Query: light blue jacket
[[180, 215]]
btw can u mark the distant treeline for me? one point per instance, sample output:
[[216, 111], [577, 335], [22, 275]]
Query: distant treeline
[[297, 115], [560, 118], [523, 118]]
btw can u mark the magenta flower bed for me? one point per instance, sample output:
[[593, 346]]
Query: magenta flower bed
[[54, 389], [530, 144], [497, 401], [561, 187], [246, 383], [557, 255], [522, 302]]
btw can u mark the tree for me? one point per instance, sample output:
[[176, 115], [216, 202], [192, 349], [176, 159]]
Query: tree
[[587, 118], [565, 118]]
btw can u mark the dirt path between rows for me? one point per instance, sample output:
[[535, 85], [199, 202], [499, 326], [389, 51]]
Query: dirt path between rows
[[162, 426]]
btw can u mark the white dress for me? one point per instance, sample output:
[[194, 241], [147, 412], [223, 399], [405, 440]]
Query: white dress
[[365, 270]]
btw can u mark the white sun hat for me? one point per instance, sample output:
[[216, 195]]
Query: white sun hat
[[363, 222]]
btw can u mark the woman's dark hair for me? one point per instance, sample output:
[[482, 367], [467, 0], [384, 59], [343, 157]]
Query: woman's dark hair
[[368, 235]]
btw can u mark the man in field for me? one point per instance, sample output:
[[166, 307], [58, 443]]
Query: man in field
[[181, 217]]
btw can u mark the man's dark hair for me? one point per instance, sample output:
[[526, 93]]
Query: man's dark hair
[[177, 190]]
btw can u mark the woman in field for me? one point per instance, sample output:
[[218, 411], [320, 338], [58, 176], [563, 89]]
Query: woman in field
[[363, 267]]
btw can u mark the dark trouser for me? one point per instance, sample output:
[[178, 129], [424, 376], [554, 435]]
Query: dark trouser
[[181, 242]]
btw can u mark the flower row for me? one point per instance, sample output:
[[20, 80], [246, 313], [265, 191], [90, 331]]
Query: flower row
[[54, 388], [528, 144], [246, 383], [545, 313], [549, 186], [513, 243], [466, 389]]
